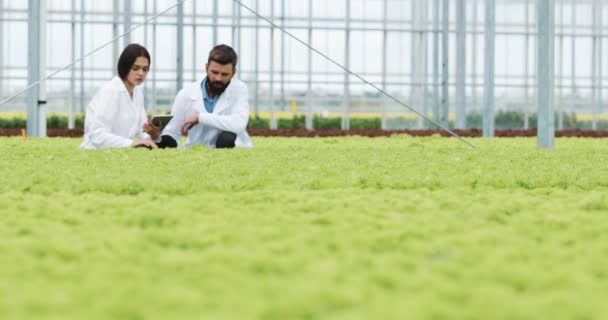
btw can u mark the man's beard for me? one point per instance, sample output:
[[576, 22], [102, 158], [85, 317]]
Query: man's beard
[[216, 87]]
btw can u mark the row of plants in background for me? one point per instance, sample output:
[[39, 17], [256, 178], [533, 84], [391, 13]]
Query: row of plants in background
[[504, 120]]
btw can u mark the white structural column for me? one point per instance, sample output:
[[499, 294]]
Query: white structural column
[[445, 45], [489, 59], [82, 95], [36, 106], [72, 101], [595, 62], [115, 32], [273, 119], [474, 57], [419, 22], [256, 62], [527, 65], [347, 97], [545, 67], [2, 48], [179, 83], [128, 10], [309, 100], [283, 97], [461, 115], [384, 103], [573, 55], [560, 69], [216, 11], [436, 100], [154, 47]]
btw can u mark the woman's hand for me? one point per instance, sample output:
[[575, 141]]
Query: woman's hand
[[144, 143], [152, 130]]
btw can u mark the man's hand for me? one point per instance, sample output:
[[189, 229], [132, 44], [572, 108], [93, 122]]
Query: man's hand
[[152, 130], [144, 143], [190, 122]]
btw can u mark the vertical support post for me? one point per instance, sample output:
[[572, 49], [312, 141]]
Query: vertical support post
[[384, 103], [216, 21], [115, 12], [573, 56], [527, 66], [127, 21], [154, 74], [474, 57], [445, 97], [1, 49], [72, 101], [600, 68], [436, 101], [419, 22], [461, 69], [283, 98], [256, 78], [180, 47], [347, 97], [82, 93], [595, 62], [36, 110], [489, 58], [273, 119], [560, 70], [195, 56], [309, 99], [545, 66]]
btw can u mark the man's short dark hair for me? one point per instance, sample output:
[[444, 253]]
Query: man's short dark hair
[[128, 57], [223, 54]]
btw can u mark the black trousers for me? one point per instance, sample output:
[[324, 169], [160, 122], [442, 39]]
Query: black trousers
[[225, 140]]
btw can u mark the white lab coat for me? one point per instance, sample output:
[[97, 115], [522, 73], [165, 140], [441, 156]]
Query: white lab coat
[[231, 113], [113, 119]]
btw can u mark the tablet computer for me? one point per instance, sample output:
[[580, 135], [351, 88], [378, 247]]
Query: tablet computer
[[161, 121]]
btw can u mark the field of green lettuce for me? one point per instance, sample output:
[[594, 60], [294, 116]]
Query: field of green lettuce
[[333, 228]]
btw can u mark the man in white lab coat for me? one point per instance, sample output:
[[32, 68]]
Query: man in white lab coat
[[212, 111]]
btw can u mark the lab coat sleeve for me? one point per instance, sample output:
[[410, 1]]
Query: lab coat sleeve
[[101, 112], [179, 112], [236, 121]]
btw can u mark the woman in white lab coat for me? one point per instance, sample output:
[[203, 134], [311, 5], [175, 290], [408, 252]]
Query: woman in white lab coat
[[115, 117]]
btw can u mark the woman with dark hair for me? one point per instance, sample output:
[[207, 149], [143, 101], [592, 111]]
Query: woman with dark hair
[[115, 117]]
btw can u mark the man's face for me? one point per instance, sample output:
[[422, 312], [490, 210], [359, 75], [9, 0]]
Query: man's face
[[219, 76]]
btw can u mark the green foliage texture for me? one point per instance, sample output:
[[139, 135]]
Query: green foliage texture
[[334, 228]]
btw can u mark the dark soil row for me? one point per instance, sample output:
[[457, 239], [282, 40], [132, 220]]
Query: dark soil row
[[361, 132]]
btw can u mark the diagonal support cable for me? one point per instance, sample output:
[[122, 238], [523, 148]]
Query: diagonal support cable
[[90, 53], [352, 73]]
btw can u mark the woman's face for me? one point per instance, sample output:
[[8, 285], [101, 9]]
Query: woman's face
[[138, 71]]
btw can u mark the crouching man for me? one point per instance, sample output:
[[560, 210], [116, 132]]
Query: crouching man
[[212, 111]]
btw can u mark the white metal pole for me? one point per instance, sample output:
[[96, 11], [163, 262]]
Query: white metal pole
[[489, 59], [461, 70], [72, 102], [33, 67], [180, 47], [273, 120], [436, 100], [309, 99], [347, 96], [445, 97], [384, 106], [545, 75], [42, 95], [127, 21]]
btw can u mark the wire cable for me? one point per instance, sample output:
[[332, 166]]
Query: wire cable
[[89, 54], [352, 73]]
